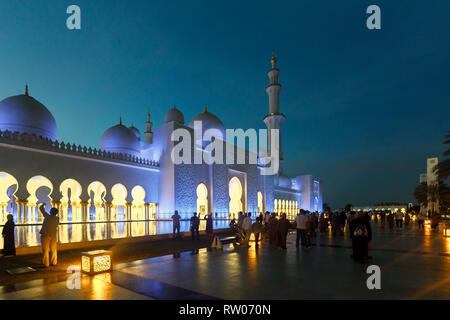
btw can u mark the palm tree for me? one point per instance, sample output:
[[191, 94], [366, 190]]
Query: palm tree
[[438, 194], [443, 168], [421, 194]]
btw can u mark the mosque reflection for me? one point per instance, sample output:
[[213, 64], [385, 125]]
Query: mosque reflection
[[28, 235]]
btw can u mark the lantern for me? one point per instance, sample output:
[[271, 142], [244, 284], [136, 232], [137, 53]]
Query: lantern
[[97, 261]]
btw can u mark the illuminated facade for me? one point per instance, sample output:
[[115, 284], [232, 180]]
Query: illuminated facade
[[131, 176]]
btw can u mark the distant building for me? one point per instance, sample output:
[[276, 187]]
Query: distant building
[[430, 178], [392, 207]]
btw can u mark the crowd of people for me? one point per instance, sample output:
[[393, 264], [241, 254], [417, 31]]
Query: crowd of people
[[271, 227], [274, 227]]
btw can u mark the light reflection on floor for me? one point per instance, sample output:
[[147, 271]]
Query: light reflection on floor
[[27, 236]]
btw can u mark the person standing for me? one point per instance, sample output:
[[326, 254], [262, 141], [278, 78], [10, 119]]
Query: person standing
[[49, 232], [420, 220], [407, 219], [336, 223], [272, 228], [240, 220], [323, 223], [302, 224], [382, 219], [257, 229], [391, 221], [283, 229], [343, 220], [176, 225], [399, 219], [361, 235], [9, 246], [247, 227], [209, 225], [195, 223]]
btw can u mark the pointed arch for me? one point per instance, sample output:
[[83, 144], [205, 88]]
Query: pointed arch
[[97, 192], [138, 204], [70, 201], [119, 194], [202, 199], [37, 188], [8, 188], [235, 191]]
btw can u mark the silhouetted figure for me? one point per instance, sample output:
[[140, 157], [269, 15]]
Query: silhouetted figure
[[420, 220], [390, 219], [361, 234], [302, 222], [257, 229], [195, 223], [407, 219], [49, 236], [9, 246], [272, 226], [382, 219], [247, 227], [209, 225], [323, 223], [282, 230], [399, 219], [176, 225]]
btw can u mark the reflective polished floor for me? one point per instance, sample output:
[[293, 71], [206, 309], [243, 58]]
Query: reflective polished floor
[[27, 236], [414, 265]]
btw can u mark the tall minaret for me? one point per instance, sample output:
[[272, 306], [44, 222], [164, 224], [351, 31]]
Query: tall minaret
[[274, 118], [148, 133]]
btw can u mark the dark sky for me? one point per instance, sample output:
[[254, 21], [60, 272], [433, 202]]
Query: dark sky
[[364, 108]]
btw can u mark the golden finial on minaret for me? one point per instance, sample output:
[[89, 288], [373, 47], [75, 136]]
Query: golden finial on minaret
[[26, 89], [274, 60], [206, 108], [148, 115]]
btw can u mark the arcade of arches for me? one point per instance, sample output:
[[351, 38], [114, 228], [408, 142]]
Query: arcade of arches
[[290, 207], [71, 207]]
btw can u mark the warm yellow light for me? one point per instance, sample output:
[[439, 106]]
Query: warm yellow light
[[427, 221], [102, 263], [85, 264], [447, 232], [93, 262]]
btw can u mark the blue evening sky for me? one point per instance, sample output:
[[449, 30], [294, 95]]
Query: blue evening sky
[[364, 108]]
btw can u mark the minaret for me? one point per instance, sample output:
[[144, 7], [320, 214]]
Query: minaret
[[274, 118], [148, 133]]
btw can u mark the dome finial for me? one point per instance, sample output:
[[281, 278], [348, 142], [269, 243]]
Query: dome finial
[[120, 121], [26, 89], [274, 60], [206, 107]]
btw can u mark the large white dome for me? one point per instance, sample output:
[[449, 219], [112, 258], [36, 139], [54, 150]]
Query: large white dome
[[23, 113], [284, 181], [209, 121], [120, 139]]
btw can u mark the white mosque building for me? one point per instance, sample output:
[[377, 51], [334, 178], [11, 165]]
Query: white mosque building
[[130, 176]]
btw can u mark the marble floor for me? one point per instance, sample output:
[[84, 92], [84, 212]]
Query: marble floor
[[415, 264]]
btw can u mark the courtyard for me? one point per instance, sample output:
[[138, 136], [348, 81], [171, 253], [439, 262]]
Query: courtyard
[[414, 265]]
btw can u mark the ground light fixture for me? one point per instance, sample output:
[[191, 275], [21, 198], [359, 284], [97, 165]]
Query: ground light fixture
[[95, 262]]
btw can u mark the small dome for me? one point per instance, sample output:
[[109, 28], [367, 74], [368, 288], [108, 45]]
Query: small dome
[[284, 181], [209, 121], [120, 139], [136, 132], [174, 115], [25, 114]]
